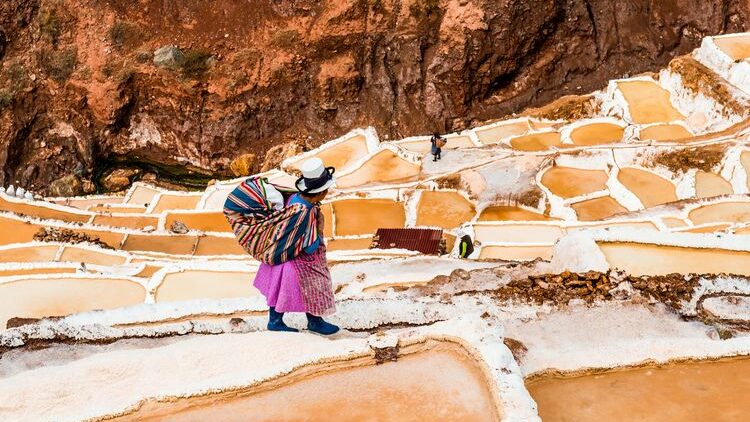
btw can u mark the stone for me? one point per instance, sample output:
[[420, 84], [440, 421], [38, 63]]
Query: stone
[[119, 179], [88, 186], [279, 153], [168, 57], [179, 227], [65, 186], [243, 165]]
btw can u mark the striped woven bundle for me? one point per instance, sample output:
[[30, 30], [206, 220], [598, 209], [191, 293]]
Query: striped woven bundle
[[269, 236]]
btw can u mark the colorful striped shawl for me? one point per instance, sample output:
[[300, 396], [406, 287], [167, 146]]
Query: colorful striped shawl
[[269, 236]]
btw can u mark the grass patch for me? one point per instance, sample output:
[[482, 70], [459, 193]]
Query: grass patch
[[286, 38], [6, 98], [49, 23], [123, 35], [196, 63], [59, 64]]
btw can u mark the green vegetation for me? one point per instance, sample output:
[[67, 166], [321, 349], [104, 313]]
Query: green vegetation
[[6, 97], [123, 35], [196, 63], [59, 64], [286, 38], [49, 23]]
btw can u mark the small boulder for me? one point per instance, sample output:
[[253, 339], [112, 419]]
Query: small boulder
[[179, 227], [65, 186], [243, 165], [119, 179], [169, 57]]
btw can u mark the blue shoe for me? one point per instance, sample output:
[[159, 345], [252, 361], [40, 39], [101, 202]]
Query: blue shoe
[[276, 322], [316, 324]]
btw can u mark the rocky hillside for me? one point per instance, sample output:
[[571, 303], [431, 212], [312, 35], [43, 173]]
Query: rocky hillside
[[179, 89]]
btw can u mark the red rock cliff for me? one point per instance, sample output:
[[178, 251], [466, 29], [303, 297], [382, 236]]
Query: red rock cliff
[[183, 87]]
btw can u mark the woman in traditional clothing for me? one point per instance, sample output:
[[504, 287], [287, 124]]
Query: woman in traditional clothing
[[303, 284]]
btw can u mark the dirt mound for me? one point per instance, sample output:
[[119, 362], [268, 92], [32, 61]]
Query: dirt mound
[[559, 288], [51, 234]]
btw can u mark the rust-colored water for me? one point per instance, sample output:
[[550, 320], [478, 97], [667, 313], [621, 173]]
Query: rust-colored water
[[199, 284], [206, 221], [597, 209], [708, 185], [597, 134], [648, 259], [650, 188], [126, 221], [444, 209], [648, 102], [436, 385], [536, 141], [344, 154], [366, 216], [730, 212], [38, 297], [509, 213], [568, 182], [736, 47], [498, 133], [665, 133], [683, 392], [383, 167], [175, 202]]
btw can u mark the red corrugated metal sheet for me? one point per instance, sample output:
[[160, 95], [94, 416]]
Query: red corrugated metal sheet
[[426, 241]]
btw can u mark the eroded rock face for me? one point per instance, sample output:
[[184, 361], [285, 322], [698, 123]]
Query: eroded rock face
[[253, 75]]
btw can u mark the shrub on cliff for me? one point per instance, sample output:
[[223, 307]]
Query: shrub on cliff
[[196, 63], [123, 35], [59, 64]]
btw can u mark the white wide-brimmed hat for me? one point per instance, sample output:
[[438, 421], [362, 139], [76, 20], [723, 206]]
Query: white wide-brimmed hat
[[315, 176]]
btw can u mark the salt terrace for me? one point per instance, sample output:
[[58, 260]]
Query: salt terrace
[[610, 278]]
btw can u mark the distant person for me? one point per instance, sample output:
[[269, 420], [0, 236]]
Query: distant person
[[465, 246], [438, 142], [293, 274]]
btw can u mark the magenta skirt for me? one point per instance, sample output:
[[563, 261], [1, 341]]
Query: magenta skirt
[[300, 285]]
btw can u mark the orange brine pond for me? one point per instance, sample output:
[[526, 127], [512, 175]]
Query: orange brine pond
[[684, 392], [205, 221], [650, 188], [665, 133], [201, 284], [366, 216], [35, 253], [496, 134], [568, 182], [342, 154], [597, 209], [73, 253], [446, 210], [729, 212], [649, 259], [597, 134], [129, 221], [32, 210], [510, 213], [745, 161], [516, 253], [16, 231], [383, 167], [65, 295], [737, 47], [708, 185], [408, 390], [541, 141], [348, 244], [141, 195], [166, 202], [648, 102]]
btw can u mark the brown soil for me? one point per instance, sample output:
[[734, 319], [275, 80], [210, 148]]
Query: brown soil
[[50, 234], [569, 107], [260, 74], [701, 158], [701, 80]]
